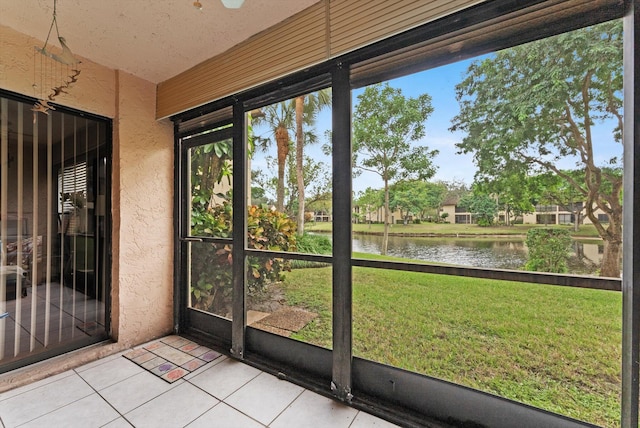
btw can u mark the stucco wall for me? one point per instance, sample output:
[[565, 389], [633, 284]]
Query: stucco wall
[[143, 213], [142, 199]]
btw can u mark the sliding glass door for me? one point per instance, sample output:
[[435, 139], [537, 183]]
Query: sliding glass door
[[53, 232]]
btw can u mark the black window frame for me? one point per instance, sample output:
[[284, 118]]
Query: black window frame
[[359, 382]]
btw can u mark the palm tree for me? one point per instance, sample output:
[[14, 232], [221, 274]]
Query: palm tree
[[307, 108], [280, 119], [284, 118]]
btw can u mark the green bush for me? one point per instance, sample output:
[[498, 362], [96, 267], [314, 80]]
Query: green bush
[[484, 221], [311, 244], [548, 249], [211, 273]]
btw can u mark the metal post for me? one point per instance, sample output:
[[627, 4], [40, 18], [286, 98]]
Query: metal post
[[631, 220], [238, 324], [342, 313], [179, 264]]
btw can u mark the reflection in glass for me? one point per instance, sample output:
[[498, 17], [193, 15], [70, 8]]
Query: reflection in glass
[[54, 187], [210, 278]]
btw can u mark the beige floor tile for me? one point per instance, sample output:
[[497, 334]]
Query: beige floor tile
[[90, 411], [224, 416], [175, 408], [34, 403], [223, 379], [311, 410], [252, 400]]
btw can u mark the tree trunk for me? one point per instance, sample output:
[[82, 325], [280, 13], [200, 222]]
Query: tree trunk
[[611, 258], [282, 141], [299, 160], [612, 234], [385, 237]]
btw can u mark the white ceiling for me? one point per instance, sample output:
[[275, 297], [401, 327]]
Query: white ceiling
[[152, 39]]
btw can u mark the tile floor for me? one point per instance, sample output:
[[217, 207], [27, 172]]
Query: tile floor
[[116, 392]]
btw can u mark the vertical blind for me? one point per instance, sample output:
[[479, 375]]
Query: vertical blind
[[52, 281]]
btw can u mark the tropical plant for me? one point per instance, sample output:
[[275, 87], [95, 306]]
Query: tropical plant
[[284, 119], [307, 108], [279, 117], [212, 280]]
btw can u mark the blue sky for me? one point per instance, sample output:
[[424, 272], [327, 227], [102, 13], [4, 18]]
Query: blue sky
[[440, 83]]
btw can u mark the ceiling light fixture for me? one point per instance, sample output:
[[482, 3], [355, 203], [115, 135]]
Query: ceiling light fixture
[[232, 4], [229, 4]]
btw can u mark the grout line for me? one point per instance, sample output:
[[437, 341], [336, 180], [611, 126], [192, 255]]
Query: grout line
[[60, 407], [240, 411], [203, 413], [354, 418], [145, 372], [241, 386], [29, 386], [287, 406], [111, 405]]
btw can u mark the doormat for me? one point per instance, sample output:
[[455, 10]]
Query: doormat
[[172, 357]]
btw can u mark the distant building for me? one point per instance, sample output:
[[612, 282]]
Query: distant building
[[543, 214], [377, 215]]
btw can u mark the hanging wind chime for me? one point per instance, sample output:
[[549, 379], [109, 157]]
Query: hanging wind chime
[[58, 72]]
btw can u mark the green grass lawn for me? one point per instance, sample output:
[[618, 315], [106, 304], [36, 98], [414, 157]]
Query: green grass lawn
[[448, 229], [553, 347]]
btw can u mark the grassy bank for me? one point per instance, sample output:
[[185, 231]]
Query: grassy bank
[[557, 348], [447, 229]]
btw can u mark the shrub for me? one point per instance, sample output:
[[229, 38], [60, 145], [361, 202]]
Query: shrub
[[211, 273], [484, 222], [312, 244], [548, 249]]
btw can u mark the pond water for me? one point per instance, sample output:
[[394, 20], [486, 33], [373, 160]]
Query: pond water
[[497, 253]]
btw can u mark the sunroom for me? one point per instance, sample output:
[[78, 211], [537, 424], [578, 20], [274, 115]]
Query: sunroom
[[213, 197]]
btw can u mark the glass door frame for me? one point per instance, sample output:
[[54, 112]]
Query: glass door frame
[[187, 318]]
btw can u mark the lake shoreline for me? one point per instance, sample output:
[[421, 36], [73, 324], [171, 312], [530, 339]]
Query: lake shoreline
[[448, 235]]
